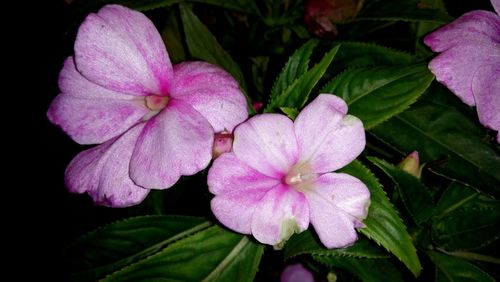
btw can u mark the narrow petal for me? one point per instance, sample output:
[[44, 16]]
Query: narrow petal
[[121, 49], [455, 68], [337, 205], [103, 172], [212, 92], [327, 138], [486, 89], [476, 26], [178, 141], [280, 213], [266, 143]]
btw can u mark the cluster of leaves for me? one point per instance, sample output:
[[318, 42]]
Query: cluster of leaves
[[440, 227]]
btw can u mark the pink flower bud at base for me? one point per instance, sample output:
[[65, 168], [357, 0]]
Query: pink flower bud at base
[[223, 143]]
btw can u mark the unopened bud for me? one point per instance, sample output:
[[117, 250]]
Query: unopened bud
[[411, 164], [223, 143], [321, 15]]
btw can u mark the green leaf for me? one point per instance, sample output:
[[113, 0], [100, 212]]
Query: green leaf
[[439, 131], [295, 94], [306, 243], [449, 268], [203, 45], [396, 10], [368, 270], [213, 254], [375, 94], [172, 38], [383, 224], [125, 242], [292, 113], [465, 219], [415, 195]]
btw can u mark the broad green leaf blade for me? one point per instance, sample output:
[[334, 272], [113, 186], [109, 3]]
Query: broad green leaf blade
[[465, 219], [361, 54], [415, 195], [213, 254], [297, 65], [296, 94], [452, 269], [203, 45], [307, 243], [396, 10], [125, 242], [171, 35], [439, 131], [368, 270], [383, 224], [375, 94]]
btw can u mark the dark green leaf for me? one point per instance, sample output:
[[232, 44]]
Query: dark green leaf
[[375, 94], [416, 197], [396, 10], [213, 254], [203, 45], [368, 270], [172, 38], [120, 244], [306, 243], [452, 269], [383, 224], [436, 128], [295, 94]]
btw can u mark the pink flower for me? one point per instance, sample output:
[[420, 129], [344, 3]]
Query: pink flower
[[278, 177], [296, 273], [469, 63], [157, 121]]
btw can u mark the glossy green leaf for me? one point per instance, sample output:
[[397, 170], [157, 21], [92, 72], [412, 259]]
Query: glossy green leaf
[[415, 195], [213, 254], [203, 45], [368, 270], [396, 10], [439, 131], [383, 224], [453, 269], [125, 242], [375, 94], [307, 243], [296, 93]]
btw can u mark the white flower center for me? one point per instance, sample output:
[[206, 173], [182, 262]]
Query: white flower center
[[300, 177]]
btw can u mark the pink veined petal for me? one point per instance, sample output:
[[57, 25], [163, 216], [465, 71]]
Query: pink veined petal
[[280, 213], [103, 172], [267, 143], [455, 67], [178, 141], [337, 205], [120, 49], [327, 138], [212, 92], [296, 273], [90, 114], [486, 89], [473, 27]]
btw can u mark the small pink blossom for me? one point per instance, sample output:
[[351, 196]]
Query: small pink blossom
[[469, 63], [296, 273], [155, 121], [279, 177]]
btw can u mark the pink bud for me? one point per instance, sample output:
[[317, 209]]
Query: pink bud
[[321, 15], [296, 273], [411, 164], [257, 106], [223, 143]]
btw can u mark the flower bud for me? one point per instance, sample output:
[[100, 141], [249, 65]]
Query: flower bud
[[411, 164], [223, 143], [321, 15]]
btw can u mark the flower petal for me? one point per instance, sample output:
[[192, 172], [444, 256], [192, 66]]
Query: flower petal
[[121, 49], [486, 89], [266, 143], [455, 67], [296, 273], [496, 6], [327, 138], [178, 141], [476, 26], [103, 172], [212, 92], [337, 205], [281, 213]]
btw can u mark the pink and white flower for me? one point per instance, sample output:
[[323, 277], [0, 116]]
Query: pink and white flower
[[469, 63], [155, 121], [279, 177]]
